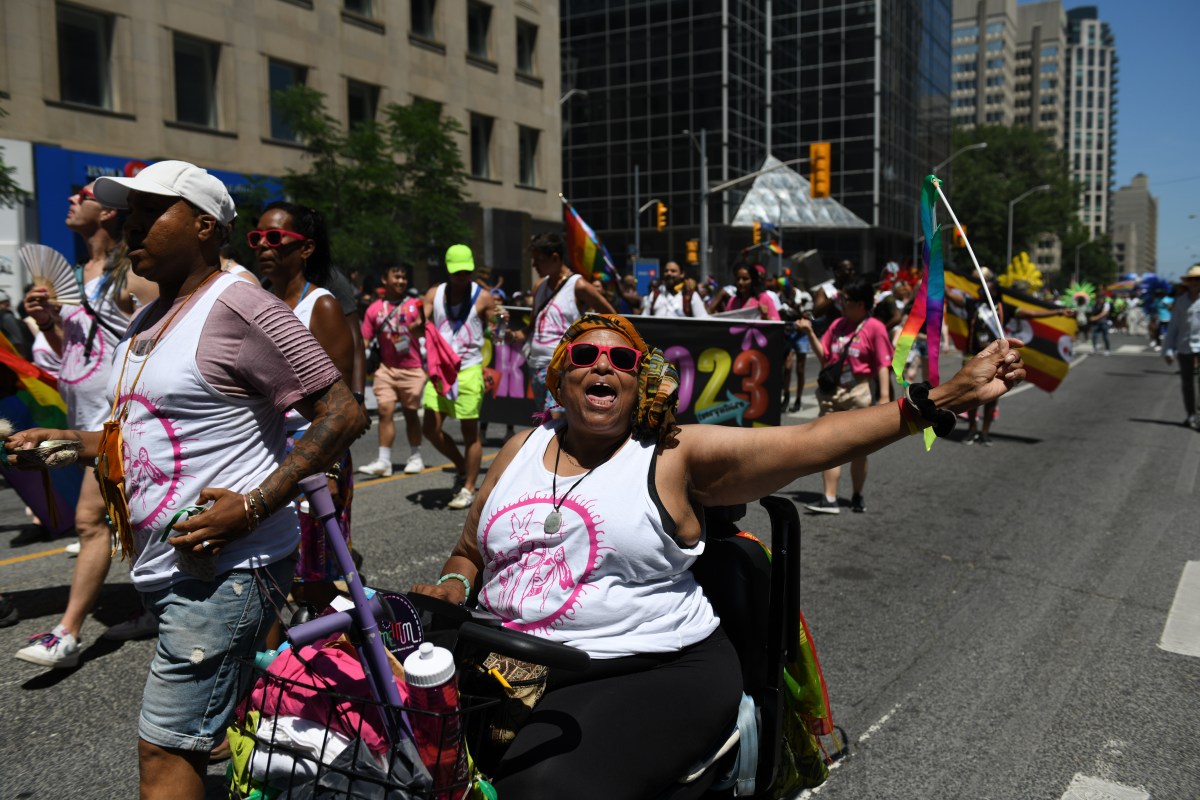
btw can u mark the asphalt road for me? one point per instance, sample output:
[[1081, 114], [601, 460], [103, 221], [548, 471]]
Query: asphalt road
[[988, 629]]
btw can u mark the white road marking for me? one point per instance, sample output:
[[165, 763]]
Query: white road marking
[[882, 721], [1185, 480], [1084, 787], [1182, 632]]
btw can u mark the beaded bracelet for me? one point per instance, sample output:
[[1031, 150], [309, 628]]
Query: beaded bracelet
[[456, 576]]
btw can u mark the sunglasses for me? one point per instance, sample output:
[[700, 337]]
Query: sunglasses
[[273, 237], [86, 194], [584, 354]]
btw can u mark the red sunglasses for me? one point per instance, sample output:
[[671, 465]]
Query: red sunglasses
[[273, 237], [584, 354], [87, 194]]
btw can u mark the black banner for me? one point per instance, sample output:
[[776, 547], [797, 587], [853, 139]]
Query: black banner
[[730, 371]]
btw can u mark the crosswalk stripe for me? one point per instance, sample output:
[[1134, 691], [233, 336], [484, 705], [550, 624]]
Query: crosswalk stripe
[[1084, 787], [1182, 632]]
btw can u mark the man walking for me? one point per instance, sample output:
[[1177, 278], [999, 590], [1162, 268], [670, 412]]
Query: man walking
[[393, 323], [560, 298], [1182, 339], [84, 339], [455, 312]]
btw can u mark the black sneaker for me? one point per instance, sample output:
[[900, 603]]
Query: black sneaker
[[856, 504], [795, 407], [824, 506], [985, 440], [972, 438]]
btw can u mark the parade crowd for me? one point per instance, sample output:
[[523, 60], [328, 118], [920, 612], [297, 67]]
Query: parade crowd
[[188, 375]]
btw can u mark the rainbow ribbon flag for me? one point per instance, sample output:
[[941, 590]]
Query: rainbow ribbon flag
[[29, 399], [930, 303], [587, 255]]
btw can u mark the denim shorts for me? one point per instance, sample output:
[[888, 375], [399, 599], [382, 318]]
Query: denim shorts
[[207, 634], [542, 399]]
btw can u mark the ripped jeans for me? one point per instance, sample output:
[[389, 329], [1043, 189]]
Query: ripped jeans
[[208, 634]]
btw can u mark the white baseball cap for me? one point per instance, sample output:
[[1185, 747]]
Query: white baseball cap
[[170, 179]]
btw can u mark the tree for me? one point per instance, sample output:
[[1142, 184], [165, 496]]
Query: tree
[[11, 194], [1017, 159], [388, 190]]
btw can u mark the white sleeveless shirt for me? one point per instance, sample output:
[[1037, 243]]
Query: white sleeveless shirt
[[295, 421], [467, 341], [83, 379], [180, 436], [612, 581], [558, 311]]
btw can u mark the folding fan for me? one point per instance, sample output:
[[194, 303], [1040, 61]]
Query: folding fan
[[47, 268]]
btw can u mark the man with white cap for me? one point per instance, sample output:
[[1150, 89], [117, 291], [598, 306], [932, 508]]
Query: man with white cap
[[1183, 340], [201, 382], [77, 342], [456, 311]]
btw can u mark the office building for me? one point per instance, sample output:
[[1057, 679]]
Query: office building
[[1091, 97], [1135, 227], [96, 87], [758, 80]]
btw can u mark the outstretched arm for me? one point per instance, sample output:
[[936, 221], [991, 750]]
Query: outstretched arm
[[737, 465]]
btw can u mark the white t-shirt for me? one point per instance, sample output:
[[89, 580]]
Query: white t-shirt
[[558, 310]]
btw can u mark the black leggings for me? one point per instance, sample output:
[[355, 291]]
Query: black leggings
[[1187, 374], [627, 727]]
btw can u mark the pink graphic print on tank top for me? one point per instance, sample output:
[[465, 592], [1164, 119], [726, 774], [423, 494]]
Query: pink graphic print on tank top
[[146, 471], [76, 368], [542, 581]]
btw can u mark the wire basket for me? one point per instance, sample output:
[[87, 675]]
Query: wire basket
[[313, 735]]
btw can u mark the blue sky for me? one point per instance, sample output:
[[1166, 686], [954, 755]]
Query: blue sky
[[1158, 115]]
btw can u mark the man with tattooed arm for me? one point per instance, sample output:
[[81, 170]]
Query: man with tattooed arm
[[192, 464]]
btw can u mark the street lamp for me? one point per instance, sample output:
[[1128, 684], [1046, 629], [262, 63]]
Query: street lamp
[[701, 146], [1045, 187], [917, 208], [572, 93]]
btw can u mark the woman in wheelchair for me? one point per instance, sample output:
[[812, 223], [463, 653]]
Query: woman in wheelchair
[[583, 532]]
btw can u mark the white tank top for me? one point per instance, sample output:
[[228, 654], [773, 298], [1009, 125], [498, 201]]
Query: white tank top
[[558, 312], [467, 341], [295, 421], [83, 380], [612, 581], [180, 436]]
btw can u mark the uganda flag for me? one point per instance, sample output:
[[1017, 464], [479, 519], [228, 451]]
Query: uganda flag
[[1049, 341]]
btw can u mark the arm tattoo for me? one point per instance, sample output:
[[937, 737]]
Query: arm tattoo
[[339, 420]]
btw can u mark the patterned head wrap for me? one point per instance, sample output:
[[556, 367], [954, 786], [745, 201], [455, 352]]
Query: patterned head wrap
[[658, 379]]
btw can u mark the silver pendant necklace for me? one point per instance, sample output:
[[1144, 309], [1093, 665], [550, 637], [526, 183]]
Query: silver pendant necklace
[[553, 522]]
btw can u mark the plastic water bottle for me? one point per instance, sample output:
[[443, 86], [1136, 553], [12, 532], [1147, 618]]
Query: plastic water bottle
[[430, 675]]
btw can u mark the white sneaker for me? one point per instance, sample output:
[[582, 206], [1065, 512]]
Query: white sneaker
[[140, 626], [414, 464], [72, 549], [55, 649], [463, 499], [378, 468]]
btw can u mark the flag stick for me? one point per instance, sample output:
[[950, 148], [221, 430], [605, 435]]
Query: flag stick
[[937, 183]]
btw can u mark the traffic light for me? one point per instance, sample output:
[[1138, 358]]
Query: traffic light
[[662, 215], [757, 232], [960, 239], [693, 251], [818, 169]]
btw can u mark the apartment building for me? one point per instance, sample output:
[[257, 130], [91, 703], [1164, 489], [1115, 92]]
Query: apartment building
[[1091, 98], [1135, 226], [101, 87]]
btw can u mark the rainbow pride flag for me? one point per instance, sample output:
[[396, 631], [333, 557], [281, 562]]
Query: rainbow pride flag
[[584, 250], [29, 399]]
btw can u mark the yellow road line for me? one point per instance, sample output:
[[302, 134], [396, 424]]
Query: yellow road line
[[31, 556]]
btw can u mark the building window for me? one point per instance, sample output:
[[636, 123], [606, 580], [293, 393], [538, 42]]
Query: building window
[[84, 57], [481, 146], [479, 20], [528, 147], [422, 18], [362, 101], [283, 76], [196, 81], [361, 7], [526, 48]]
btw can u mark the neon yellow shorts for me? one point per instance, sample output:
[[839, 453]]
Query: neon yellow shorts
[[470, 395]]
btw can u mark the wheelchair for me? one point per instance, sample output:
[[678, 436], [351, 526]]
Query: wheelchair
[[756, 597]]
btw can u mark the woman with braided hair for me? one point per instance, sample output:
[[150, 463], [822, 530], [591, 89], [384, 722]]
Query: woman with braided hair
[[584, 530]]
